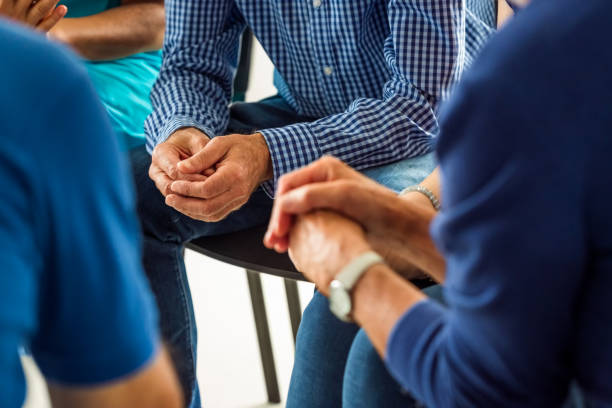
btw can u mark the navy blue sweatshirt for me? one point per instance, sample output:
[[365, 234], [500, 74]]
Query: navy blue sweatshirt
[[526, 156]]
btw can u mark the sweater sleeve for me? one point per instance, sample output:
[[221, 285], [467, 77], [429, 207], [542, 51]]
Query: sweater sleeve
[[513, 236]]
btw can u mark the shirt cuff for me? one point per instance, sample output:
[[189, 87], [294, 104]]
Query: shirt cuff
[[410, 340], [291, 147], [171, 126]]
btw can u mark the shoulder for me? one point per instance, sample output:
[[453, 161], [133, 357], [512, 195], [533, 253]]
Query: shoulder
[[532, 72]]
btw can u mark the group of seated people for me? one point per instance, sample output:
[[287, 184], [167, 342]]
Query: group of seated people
[[410, 139]]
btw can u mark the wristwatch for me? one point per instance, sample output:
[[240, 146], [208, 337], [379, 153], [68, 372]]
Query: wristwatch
[[340, 302]]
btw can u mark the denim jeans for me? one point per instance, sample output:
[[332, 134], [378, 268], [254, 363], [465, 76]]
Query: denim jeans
[[166, 231], [337, 366]]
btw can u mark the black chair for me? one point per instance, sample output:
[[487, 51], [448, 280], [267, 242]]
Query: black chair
[[245, 249]]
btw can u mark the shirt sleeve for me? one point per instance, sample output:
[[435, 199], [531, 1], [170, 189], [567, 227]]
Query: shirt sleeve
[[199, 57], [512, 233], [97, 319], [424, 54]]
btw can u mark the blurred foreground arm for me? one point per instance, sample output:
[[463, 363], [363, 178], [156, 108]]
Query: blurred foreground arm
[[155, 386]]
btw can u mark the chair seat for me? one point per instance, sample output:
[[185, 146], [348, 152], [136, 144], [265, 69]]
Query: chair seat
[[245, 249]]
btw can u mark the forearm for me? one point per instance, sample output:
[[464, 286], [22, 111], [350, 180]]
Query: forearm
[[411, 216], [380, 299], [195, 81], [114, 33]]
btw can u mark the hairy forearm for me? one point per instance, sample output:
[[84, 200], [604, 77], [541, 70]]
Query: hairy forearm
[[114, 33], [380, 298]]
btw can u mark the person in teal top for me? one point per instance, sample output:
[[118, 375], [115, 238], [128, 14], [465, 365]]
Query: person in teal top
[[120, 43]]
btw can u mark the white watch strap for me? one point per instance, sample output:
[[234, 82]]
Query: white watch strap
[[351, 273]]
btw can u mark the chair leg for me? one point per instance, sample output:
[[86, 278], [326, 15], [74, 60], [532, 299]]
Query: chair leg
[[293, 302], [263, 336]]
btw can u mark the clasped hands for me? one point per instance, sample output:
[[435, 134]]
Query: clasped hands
[[207, 179], [327, 214]]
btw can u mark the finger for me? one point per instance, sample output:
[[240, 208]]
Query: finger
[[231, 207], [203, 209], [166, 158], [191, 177], [205, 158], [198, 189], [161, 180], [282, 245], [40, 10], [227, 210], [20, 7], [337, 195], [310, 174], [219, 183], [49, 22], [271, 237]]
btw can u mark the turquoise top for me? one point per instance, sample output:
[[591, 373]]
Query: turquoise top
[[124, 84]]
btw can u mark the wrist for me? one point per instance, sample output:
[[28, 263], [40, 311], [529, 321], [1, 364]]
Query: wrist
[[381, 286], [266, 159], [58, 32]]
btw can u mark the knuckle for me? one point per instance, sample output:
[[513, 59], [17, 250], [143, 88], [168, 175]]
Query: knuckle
[[307, 196], [329, 161]]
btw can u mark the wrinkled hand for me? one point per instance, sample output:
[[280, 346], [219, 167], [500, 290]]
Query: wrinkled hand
[[326, 169], [332, 185], [322, 243], [240, 164], [41, 15], [182, 144]]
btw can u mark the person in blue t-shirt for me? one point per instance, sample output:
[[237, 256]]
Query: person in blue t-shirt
[[71, 286], [120, 43], [525, 230]]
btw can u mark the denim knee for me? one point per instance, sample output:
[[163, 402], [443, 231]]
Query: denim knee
[[322, 347]]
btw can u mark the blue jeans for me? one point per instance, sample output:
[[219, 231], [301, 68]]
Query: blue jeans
[[337, 366], [166, 231]]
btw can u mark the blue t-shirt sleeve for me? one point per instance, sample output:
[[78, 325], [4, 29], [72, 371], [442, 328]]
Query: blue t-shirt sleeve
[[97, 316], [513, 239]]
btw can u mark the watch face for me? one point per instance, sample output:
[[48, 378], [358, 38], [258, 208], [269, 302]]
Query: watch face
[[339, 301]]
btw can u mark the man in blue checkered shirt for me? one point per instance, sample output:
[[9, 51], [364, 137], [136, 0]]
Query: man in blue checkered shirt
[[359, 79]]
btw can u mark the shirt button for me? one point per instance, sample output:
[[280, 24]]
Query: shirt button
[[328, 70], [316, 3]]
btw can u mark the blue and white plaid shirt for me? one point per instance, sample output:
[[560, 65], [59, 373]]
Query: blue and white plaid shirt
[[374, 71]]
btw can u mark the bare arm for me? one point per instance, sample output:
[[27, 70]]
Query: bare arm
[[380, 298], [135, 26], [155, 386]]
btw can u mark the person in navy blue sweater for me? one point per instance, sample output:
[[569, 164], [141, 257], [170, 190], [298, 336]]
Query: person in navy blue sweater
[[524, 234]]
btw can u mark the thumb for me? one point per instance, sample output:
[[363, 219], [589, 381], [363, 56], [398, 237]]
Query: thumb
[[205, 158]]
